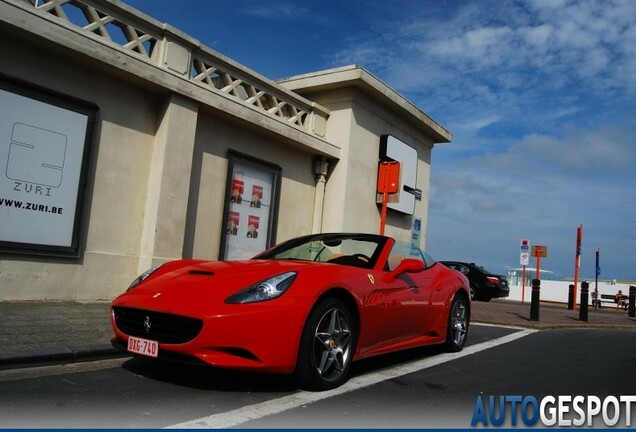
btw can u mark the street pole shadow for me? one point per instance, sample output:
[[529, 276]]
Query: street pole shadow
[[517, 314]]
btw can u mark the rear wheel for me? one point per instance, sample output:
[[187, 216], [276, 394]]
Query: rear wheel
[[327, 346], [458, 322]]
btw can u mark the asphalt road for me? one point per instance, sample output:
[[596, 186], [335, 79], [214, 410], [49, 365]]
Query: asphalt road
[[421, 388]]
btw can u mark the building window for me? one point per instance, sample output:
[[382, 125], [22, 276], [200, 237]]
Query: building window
[[251, 207]]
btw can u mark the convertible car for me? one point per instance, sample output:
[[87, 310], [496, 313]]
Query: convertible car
[[309, 306]]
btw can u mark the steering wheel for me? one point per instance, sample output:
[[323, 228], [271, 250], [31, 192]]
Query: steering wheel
[[361, 257]]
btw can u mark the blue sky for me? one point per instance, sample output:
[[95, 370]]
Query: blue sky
[[539, 95]]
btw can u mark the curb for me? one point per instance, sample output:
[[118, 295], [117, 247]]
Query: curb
[[58, 356]]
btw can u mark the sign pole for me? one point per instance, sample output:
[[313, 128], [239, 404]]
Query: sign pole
[[385, 201], [388, 183], [538, 251], [598, 271], [524, 261], [523, 285], [577, 261]]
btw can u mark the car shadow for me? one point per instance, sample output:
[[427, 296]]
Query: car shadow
[[202, 377], [209, 378], [386, 361]]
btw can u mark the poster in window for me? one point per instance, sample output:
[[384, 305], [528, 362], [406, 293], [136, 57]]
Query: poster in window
[[252, 226], [43, 153], [233, 220], [252, 189], [257, 196], [238, 186]]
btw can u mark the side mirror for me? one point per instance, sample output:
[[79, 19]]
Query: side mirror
[[408, 265]]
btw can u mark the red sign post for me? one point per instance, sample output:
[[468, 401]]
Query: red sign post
[[538, 252], [388, 183], [577, 261]]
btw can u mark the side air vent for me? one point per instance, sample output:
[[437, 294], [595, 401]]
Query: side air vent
[[201, 272]]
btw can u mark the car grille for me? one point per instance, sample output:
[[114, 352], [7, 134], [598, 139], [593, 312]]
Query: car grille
[[162, 327]]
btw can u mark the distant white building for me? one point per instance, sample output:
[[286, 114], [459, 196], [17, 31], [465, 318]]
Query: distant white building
[[557, 290], [515, 275]]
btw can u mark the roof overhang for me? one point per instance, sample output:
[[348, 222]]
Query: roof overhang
[[358, 77]]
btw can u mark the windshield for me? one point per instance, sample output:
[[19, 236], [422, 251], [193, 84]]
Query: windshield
[[402, 250], [357, 250]]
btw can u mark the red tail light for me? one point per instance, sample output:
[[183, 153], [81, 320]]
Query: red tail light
[[493, 280]]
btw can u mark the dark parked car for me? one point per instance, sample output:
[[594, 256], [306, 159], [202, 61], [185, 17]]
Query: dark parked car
[[484, 285]]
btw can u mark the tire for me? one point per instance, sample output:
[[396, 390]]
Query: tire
[[458, 323], [473, 292], [327, 346]]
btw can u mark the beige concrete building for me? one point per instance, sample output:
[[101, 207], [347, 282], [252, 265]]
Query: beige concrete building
[[125, 143]]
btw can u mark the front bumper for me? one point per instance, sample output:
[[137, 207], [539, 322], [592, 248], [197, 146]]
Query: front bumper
[[500, 291], [261, 337]]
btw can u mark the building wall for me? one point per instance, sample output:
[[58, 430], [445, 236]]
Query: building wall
[[145, 143], [213, 141], [158, 169], [356, 124], [114, 207], [557, 291]]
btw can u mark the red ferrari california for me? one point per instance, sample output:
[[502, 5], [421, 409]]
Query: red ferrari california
[[309, 306]]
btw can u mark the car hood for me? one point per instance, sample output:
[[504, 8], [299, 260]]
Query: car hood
[[192, 283]]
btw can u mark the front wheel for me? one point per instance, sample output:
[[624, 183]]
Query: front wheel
[[458, 322], [327, 346]]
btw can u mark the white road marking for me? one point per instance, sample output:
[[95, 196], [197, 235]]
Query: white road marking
[[484, 324], [275, 406]]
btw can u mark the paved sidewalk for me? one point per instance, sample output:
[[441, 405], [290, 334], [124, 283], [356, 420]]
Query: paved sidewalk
[[41, 332], [551, 315], [35, 333]]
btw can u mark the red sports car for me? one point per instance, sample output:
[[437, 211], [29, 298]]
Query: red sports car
[[308, 306]]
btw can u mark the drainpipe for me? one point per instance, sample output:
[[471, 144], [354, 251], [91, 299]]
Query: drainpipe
[[321, 166]]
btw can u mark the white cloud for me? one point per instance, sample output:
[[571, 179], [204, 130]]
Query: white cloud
[[475, 125], [599, 151], [539, 97], [279, 11]]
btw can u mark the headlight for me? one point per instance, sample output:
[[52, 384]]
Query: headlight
[[265, 290], [142, 277]]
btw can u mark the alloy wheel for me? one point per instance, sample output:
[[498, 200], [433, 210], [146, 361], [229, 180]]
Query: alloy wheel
[[332, 344], [459, 322]]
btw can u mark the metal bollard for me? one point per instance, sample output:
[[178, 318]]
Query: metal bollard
[[536, 296], [571, 297], [631, 311], [585, 292]]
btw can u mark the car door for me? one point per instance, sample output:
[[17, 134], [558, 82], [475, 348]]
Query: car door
[[397, 309]]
